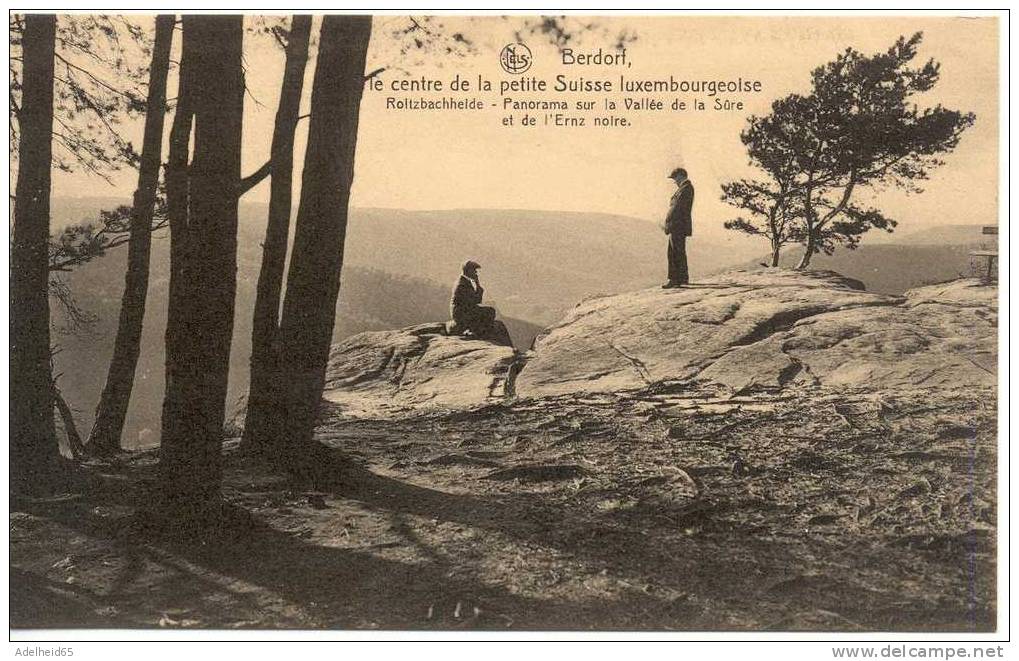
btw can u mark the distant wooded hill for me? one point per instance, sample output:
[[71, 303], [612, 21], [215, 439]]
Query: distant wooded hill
[[904, 262], [399, 269], [371, 298], [400, 266], [535, 264]]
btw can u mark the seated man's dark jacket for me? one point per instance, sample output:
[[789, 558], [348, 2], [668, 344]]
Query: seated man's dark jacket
[[465, 302]]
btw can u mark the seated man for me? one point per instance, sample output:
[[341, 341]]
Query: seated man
[[469, 316]]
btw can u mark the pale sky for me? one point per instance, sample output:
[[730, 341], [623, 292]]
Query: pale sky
[[464, 159]]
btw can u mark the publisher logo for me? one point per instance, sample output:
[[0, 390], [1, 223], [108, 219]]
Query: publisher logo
[[515, 58]]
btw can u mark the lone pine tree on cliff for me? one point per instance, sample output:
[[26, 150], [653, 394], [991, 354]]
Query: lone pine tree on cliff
[[859, 129]]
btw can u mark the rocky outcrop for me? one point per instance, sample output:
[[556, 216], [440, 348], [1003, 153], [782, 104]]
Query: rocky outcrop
[[635, 339], [940, 337], [766, 329], [740, 332], [419, 368]]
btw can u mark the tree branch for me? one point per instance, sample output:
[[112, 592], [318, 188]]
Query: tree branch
[[255, 178], [98, 81], [119, 239], [846, 193]]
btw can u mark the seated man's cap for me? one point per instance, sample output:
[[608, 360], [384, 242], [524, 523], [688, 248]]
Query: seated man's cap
[[471, 264], [678, 172]]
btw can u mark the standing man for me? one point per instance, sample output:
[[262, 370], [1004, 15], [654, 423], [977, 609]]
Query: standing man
[[679, 225]]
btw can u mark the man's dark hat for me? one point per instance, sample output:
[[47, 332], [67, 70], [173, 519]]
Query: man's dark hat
[[678, 172], [471, 264]]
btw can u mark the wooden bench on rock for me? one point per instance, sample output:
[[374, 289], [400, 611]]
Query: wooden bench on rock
[[989, 255]]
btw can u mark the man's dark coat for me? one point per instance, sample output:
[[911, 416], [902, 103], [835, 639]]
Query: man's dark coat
[[679, 221], [466, 310]]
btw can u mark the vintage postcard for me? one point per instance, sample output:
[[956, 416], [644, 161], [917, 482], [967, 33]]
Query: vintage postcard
[[466, 322]]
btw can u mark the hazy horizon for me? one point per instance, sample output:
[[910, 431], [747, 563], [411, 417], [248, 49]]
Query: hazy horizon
[[265, 202], [431, 160]]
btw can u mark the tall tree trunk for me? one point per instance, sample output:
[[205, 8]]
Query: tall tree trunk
[[776, 252], [313, 279], [177, 214], [201, 323], [34, 455], [104, 439], [265, 325]]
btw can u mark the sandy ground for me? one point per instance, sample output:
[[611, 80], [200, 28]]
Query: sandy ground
[[805, 510]]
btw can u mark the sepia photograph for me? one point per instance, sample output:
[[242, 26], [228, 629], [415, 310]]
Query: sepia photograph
[[494, 324]]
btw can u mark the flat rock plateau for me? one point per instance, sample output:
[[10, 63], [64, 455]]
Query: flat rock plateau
[[767, 449]]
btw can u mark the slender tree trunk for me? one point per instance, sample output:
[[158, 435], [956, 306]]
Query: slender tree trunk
[[201, 323], [809, 218], [265, 325], [776, 252], [177, 215], [74, 443], [313, 279], [104, 438], [34, 455], [808, 251]]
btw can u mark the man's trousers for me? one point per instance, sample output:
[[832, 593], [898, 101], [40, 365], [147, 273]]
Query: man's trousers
[[678, 273]]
